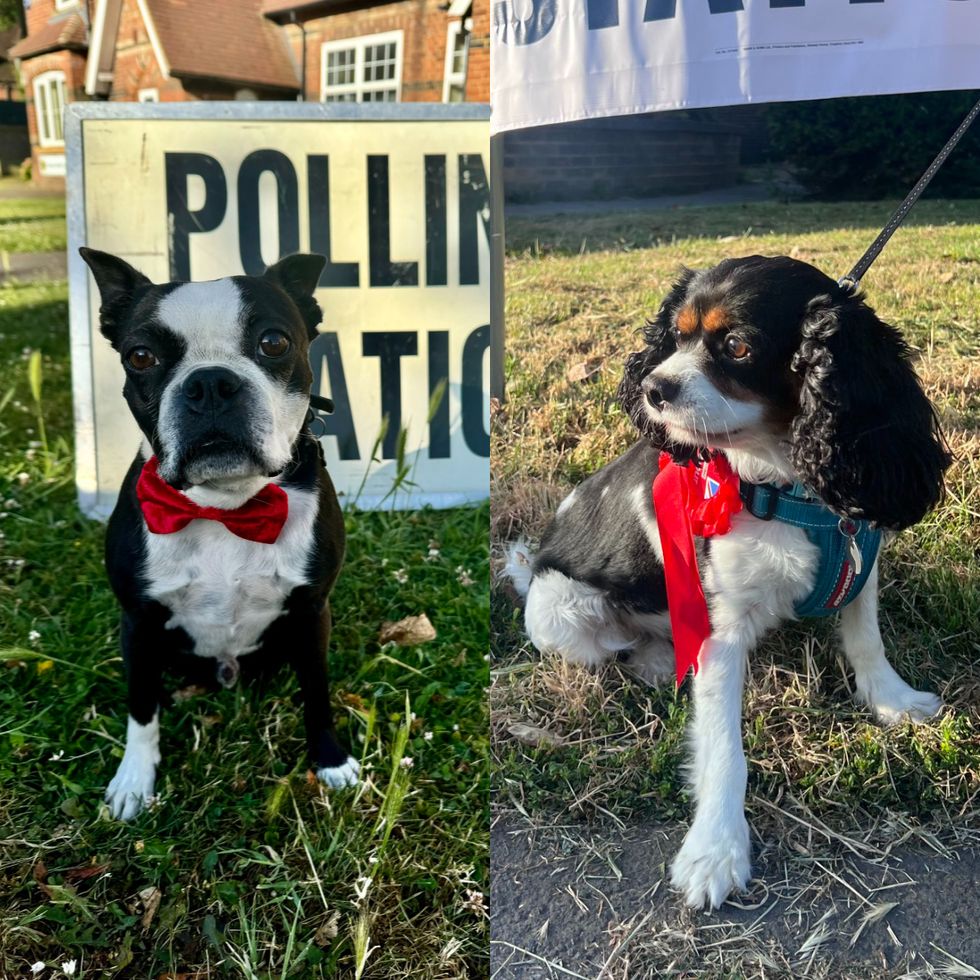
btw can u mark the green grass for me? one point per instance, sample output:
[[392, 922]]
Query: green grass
[[259, 872], [578, 289], [32, 224]]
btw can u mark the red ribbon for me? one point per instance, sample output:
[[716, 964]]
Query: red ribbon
[[166, 510], [696, 498]]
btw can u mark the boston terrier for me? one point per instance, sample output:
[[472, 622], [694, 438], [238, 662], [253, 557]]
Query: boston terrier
[[227, 536]]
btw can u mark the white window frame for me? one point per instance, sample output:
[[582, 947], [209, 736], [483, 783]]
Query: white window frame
[[148, 95], [451, 78], [60, 5], [359, 87], [46, 81]]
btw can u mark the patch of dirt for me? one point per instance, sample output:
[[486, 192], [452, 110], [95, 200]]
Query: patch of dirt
[[592, 902]]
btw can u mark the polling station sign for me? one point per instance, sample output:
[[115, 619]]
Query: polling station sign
[[397, 199], [558, 60]]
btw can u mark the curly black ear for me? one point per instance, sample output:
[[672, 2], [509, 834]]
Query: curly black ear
[[119, 283], [298, 277], [866, 439], [660, 344]]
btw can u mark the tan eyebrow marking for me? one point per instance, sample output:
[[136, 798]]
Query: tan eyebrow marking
[[716, 318], [687, 320]]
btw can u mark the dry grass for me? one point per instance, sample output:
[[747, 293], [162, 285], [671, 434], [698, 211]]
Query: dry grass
[[830, 794]]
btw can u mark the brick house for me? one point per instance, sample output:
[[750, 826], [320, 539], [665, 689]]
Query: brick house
[[404, 50], [175, 50]]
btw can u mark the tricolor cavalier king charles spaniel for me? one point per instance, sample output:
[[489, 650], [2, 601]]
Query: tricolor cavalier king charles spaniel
[[796, 381]]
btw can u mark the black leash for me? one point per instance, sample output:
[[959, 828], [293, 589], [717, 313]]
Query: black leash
[[852, 280], [321, 404]]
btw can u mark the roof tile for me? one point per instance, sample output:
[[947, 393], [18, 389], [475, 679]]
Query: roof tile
[[66, 32], [225, 39]]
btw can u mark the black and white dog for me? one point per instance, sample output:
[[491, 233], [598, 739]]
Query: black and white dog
[[227, 537], [796, 381]]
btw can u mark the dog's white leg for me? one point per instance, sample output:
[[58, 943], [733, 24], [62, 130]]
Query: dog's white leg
[[131, 789], [715, 857], [875, 680]]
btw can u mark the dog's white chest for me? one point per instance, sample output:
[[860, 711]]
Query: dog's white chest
[[222, 590]]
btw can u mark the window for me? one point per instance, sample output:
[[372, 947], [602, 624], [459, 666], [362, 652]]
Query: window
[[362, 69], [457, 49], [148, 95], [49, 103], [61, 4]]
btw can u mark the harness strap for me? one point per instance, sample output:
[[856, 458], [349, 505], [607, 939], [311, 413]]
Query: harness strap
[[838, 581]]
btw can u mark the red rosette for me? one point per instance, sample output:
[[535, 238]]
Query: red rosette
[[713, 515]]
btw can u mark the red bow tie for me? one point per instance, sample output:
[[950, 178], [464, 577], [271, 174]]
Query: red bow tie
[[699, 498], [167, 510]]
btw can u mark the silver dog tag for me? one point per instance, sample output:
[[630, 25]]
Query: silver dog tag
[[855, 553], [849, 529]]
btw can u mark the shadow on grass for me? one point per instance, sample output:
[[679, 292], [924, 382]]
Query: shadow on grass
[[564, 234]]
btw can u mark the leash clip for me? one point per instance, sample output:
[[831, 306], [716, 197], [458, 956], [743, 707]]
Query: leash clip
[[318, 404], [849, 529]]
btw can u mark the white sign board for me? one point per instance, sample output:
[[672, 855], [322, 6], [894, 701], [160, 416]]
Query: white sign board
[[395, 196], [558, 60]]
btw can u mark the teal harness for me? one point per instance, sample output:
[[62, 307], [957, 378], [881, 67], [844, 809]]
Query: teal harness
[[848, 548]]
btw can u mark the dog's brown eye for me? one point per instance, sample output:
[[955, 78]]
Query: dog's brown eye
[[736, 348], [141, 358], [274, 343]]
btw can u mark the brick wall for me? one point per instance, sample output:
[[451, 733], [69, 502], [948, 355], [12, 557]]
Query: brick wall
[[478, 66], [72, 63], [424, 24], [41, 11], [628, 156], [136, 66]]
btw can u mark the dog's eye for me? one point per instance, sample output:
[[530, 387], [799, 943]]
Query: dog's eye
[[273, 343], [141, 358], [736, 348]]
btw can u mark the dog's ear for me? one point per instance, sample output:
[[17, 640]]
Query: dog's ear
[[866, 438], [118, 284], [298, 276], [658, 335]]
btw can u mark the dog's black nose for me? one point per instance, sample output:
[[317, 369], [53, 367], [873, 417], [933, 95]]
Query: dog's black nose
[[661, 392], [211, 389]]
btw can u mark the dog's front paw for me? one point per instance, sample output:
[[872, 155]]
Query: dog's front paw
[[713, 862], [131, 789], [893, 701], [337, 777]]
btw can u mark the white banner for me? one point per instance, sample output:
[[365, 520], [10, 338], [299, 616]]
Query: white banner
[[558, 60], [395, 196]]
